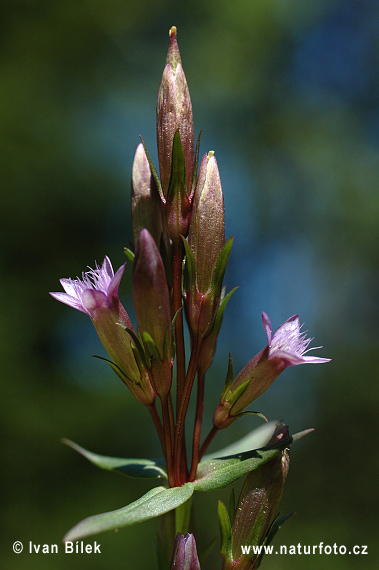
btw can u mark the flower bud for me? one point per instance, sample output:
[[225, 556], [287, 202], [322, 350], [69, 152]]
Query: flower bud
[[174, 113], [146, 203], [153, 309], [150, 292], [258, 504], [185, 553], [207, 229]]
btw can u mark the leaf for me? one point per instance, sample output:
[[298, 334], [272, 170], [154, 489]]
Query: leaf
[[153, 171], [225, 528], [136, 468], [129, 254], [220, 267], [156, 502], [257, 438], [216, 473]]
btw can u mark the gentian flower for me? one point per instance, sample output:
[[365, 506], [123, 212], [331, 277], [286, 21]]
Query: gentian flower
[[185, 553], [286, 347], [96, 294]]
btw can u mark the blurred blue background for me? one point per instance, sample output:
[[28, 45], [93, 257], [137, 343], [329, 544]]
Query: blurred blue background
[[286, 94]]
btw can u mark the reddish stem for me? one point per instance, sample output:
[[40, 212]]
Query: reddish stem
[[158, 425], [207, 441], [168, 440], [179, 449], [198, 423], [177, 306]]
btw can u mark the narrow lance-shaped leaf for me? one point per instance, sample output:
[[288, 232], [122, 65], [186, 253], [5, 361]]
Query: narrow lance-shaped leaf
[[216, 473], [156, 502], [136, 468]]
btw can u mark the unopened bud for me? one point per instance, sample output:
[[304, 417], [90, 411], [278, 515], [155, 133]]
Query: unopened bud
[[258, 504], [146, 203], [207, 229], [150, 292], [174, 112], [185, 553]]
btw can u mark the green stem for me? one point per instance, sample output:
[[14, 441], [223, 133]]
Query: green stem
[[198, 423]]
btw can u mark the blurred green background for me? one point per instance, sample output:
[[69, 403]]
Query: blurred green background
[[286, 94]]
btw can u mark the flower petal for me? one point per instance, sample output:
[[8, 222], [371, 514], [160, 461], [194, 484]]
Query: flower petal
[[69, 300], [267, 326]]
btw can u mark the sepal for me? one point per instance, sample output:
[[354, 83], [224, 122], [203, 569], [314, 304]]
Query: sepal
[[177, 203], [225, 529]]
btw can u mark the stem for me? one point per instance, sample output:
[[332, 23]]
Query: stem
[[158, 424], [198, 423], [207, 441], [177, 306], [168, 440], [179, 448]]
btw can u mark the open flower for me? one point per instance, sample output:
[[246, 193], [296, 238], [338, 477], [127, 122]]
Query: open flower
[[96, 294], [97, 288], [286, 347], [289, 344]]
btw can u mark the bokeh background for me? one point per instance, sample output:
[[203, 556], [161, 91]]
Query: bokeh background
[[286, 94]]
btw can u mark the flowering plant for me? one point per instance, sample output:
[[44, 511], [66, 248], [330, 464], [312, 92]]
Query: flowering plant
[[179, 262]]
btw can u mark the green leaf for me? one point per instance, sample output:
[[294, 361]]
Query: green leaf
[[129, 254], [217, 473], [225, 528], [156, 502], [194, 178], [153, 171], [258, 437], [136, 468], [189, 272], [229, 375], [116, 369], [220, 313], [177, 184], [220, 267]]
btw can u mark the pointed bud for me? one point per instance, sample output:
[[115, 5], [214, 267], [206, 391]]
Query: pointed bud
[[207, 229], [174, 112], [185, 553], [146, 203], [150, 291], [258, 505], [153, 310]]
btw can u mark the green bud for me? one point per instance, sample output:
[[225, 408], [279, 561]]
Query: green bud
[[174, 112]]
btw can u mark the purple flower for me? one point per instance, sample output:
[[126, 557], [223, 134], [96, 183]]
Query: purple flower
[[96, 294], [286, 347], [288, 343], [97, 288]]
